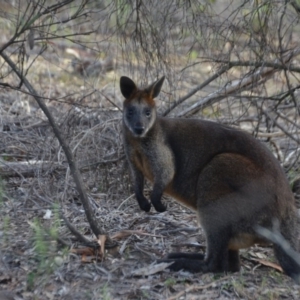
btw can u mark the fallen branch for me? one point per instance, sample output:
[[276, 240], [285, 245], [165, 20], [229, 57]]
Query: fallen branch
[[229, 89], [31, 167], [198, 88], [82, 239], [26, 168], [77, 234], [235, 86], [196, 287]]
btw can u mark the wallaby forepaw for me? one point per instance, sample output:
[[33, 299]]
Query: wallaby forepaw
[[159, 207], [145, 206]]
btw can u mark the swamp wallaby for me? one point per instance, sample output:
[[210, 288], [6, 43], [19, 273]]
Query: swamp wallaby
[[232, 181]]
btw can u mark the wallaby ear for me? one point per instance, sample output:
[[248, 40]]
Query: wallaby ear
[[127, 86], [154, 88]]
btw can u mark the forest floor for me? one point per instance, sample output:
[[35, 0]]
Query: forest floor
[[39, 257]]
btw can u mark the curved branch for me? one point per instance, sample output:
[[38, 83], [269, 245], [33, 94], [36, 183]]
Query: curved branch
[[69, 155], [254, 79], [229, 89], [198, 88]]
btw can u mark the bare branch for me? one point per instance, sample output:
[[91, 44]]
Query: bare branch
[[238, 86], [231, 88], [281, 127], [71, 161], [31, 19], [198, 88]]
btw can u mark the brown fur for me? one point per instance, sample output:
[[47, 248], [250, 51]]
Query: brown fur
[[229, 178]]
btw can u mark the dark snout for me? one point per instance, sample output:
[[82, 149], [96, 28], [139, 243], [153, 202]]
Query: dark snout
[[139, 129]]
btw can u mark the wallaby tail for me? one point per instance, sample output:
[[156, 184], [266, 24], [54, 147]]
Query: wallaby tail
[[286, 247]]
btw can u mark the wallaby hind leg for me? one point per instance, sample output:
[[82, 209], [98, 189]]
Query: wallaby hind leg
[[217, 258], [143, 202], [225, 199], [234, 264], [156, 196], [193, 262]]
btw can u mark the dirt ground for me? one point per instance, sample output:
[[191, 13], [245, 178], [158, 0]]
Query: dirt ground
[[41, 259]]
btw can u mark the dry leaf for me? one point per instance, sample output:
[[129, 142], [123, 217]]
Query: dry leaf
[[87, 259], [267, 263], [101, 241], [257, 255], [90, 254], [270, 264], [152, 269], [120, 235], [84, 251], [261, 255]]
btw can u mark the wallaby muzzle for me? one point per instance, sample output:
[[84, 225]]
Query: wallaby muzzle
[[138, 129]]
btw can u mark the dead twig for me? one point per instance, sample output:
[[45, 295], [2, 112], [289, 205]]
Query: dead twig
[[196, 287], [280, 127], [77, 234], [84, 240]]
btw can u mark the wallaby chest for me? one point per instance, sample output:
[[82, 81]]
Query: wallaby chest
[[143, 156]]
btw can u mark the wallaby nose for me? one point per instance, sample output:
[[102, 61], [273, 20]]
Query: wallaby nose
[[139, 129]]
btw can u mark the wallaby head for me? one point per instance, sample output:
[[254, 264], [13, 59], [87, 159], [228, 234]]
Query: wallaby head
[[139, 112]]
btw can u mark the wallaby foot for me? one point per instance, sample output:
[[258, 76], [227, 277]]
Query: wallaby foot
[[176, 255], [156, 200], [195, 262], [234, 264], [188, 261], [144, 204], [159, 207]]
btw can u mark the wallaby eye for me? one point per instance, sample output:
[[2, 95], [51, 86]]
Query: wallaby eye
[[130, 112], [148, 112]]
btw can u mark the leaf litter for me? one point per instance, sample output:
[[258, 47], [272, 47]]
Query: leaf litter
[[35, 264]]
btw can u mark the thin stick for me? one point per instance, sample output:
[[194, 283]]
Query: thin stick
[[195, 287]]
